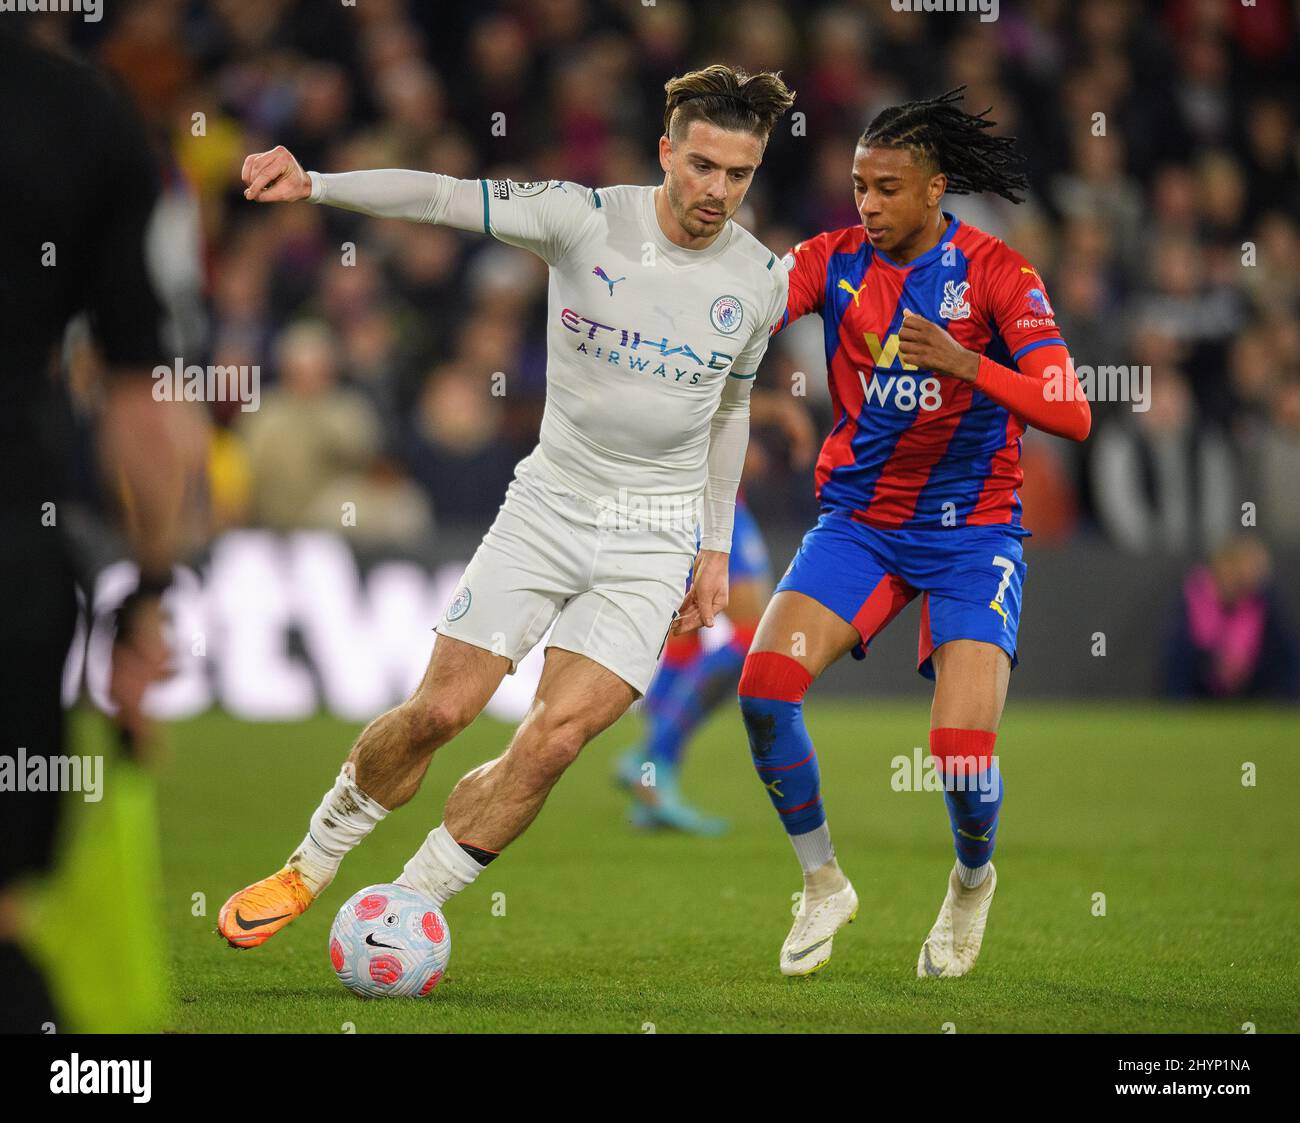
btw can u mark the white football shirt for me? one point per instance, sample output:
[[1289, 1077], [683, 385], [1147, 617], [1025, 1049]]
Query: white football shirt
[[645, 339]]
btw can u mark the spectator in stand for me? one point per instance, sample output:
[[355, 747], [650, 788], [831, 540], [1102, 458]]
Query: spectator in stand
[[1274, 465], [1192, 307], [1271, 165], [1273, 281], [1229, 638], [1097, 186], [1162, 479], [1253, 378], [314, 447], [454, 446]]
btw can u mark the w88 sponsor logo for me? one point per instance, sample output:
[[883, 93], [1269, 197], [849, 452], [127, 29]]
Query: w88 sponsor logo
[[908, 393]]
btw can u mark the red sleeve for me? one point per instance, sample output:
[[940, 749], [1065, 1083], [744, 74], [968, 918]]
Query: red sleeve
[[1044, 393], [1017, 303], [806, 264], [1040, 387]]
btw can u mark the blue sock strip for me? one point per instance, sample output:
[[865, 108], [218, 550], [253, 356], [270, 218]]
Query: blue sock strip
[[786, 761], [974, 815]]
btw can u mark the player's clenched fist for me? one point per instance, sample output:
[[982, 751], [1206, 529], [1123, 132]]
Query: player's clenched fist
[[275, 177], [927, 346]]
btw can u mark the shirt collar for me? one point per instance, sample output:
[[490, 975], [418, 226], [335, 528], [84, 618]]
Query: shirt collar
[[931, 254]]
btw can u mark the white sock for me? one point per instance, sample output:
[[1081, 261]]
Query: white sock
[[813, 848], [440, 868], [972, 877], [345, 816]]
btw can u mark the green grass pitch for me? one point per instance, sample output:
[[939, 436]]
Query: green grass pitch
[[586, 925]]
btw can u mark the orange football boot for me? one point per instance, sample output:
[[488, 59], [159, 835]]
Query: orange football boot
[[258, 911]]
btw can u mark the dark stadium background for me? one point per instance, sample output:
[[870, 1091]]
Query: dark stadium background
[[377, 376]]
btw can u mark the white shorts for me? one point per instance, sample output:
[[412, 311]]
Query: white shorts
[[554, 557]]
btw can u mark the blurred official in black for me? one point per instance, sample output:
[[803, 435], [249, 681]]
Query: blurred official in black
[[78, 184]]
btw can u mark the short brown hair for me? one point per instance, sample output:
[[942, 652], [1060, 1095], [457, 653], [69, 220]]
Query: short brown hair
[[727, 97]]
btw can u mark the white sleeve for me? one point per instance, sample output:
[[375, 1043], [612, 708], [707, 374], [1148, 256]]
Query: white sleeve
[[729, 430], [399, 193], [747, 361], [728, 440], [546, 218], [542, 217]]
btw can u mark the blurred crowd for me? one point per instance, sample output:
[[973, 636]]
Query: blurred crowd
[[403, 365]]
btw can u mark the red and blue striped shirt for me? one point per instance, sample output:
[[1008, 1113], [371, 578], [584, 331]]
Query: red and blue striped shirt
[[910, 448]]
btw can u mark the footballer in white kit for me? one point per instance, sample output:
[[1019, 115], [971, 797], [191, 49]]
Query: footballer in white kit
[[659, 309], [651, 353]]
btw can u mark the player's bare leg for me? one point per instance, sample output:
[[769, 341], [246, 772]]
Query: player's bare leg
[[797, 639], [971, 679], [576, 699], [393, 752], [493, 805], [970, 685], [382, 772]]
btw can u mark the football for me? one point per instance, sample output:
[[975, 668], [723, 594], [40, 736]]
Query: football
[[388, 941]]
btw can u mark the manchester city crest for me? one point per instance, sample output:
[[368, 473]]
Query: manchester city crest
[[726, 314]]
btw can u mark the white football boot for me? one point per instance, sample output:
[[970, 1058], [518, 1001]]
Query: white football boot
[[953, 944], [808, 946]]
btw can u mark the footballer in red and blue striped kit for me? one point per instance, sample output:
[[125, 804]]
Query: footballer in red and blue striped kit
[[941, 348]]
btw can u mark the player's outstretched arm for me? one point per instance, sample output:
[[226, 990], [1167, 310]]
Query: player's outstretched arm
[[277, 177], [542, 217], [728, 442]]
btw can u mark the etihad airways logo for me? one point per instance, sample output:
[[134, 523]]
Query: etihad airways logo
[[615, 344]]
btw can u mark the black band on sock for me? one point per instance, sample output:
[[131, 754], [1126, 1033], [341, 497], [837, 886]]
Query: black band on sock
[[481, 856]]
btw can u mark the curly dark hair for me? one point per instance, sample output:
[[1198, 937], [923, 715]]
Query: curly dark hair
[[949, 140]]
